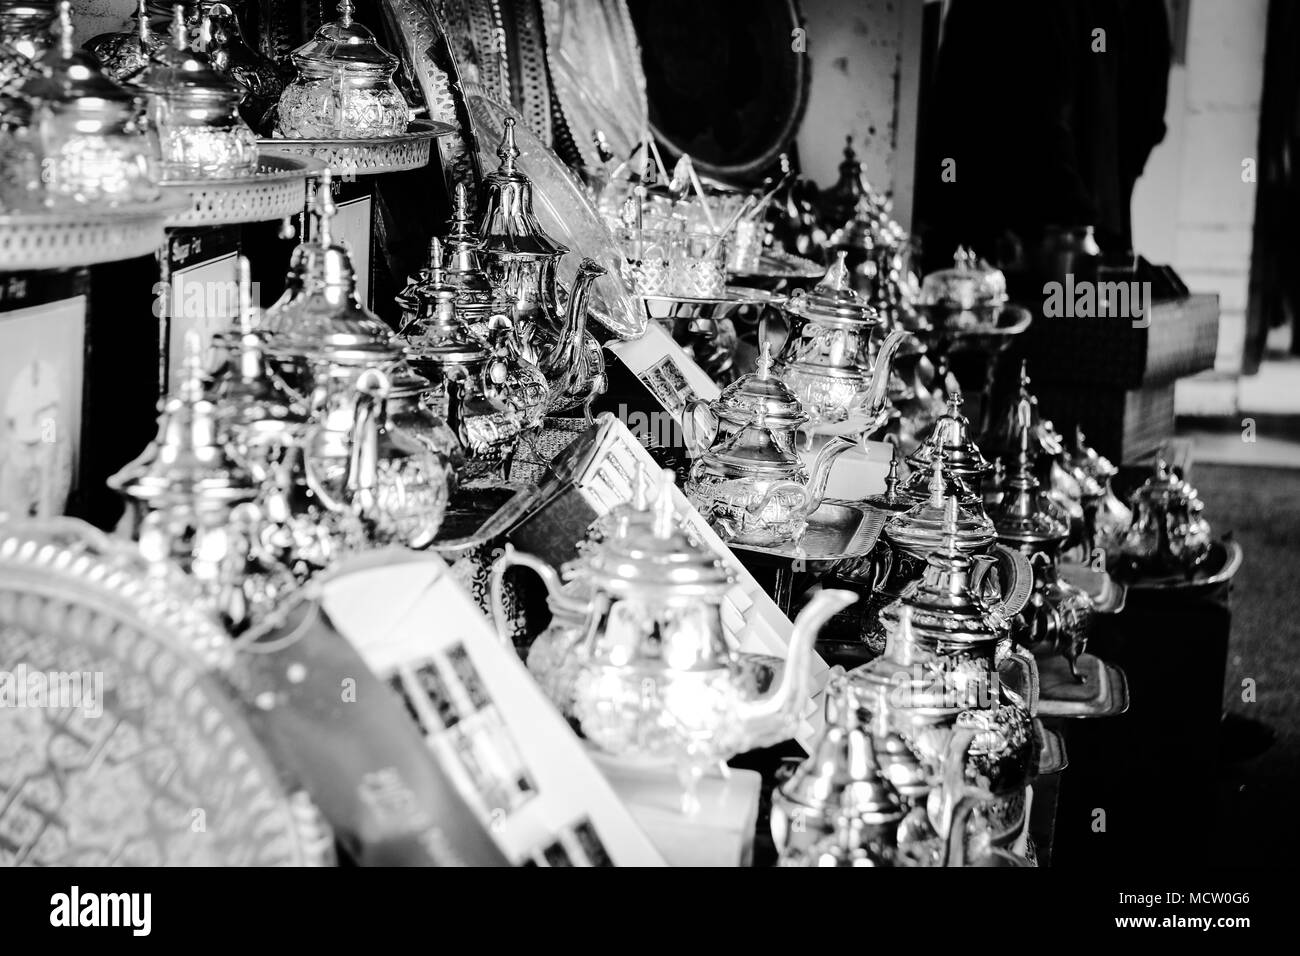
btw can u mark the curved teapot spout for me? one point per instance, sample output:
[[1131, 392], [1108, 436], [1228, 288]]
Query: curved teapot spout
[[565, 360], [511, 558], [820, 472], [876, 400], [783, 702]]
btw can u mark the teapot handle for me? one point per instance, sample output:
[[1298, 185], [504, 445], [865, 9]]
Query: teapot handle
[[697, 433], [511, 558]]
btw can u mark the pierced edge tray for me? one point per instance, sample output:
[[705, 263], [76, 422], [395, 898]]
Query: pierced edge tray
[[66, 239], [369, 156], [1110, 682], [1225, 557], [864, 538], [277, 190]]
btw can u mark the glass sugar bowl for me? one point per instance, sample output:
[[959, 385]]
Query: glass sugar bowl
[[92, 139], [195, 111], [344, 88]]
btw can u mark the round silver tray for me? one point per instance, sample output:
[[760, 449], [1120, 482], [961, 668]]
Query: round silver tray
[[1220, 567], [370, 156], [66, 239], [276, 190], [667, 307]]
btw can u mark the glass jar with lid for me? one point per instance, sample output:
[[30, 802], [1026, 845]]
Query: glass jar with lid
[[195, 111], [344, 88]]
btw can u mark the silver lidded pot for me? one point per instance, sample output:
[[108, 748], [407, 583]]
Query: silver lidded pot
[[747, 479], [521, 262], [827, 357], [344, 88], [1169, 535]]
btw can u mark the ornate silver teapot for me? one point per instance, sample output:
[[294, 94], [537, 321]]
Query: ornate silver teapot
[[949, 436], [827, 358], [968, 295], [521, 261], [1058, 615], [1106, 519], [1168, 535], [658, 680], [748, 480]]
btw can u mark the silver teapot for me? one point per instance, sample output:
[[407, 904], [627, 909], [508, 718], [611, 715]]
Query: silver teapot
[[1169, 534], [521, 261], [1106, 518], [658, 680], [827, 358], [748, 480]]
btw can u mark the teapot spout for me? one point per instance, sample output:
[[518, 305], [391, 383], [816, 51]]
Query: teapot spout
[[876, 400], [782, 704], [565, 359], [820, 474]]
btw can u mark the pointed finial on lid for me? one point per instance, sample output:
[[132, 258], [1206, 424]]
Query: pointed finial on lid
[[142, 25], [460, 204], [891, 480], [345, 13], [664, 512], [1024, 375], [192, 375], [64, 26], [937, 486], [954, 403], [641, 488], [764, 360], [435, 261], [179, 31], [325, 208], [950, 524], [247, 319], [836, 278], [508, 151]]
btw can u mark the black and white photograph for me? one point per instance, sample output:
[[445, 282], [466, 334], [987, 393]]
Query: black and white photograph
[[949, 351]]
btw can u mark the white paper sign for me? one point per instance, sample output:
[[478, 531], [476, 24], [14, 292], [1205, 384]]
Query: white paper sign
[[512, 756]]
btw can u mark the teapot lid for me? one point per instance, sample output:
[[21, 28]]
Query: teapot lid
[[248, 395], [657, 558], [508, 225], [761, 393], [843, 775], [186, 459], [1005, 439], [1086, 462], [833, 298], [176, 70], [949, 436], [1164, 488], [343, 45], [892, 499], [462, 268], [925, 527], [908, 675], [321, 316], [442, 339], [1024, 515], [70, 77], [944, 606]]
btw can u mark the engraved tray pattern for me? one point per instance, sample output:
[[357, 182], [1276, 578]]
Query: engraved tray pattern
[[277, 190]]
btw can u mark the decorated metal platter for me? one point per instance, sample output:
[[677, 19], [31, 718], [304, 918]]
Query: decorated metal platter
[[277, 190], [838, 531], [139, 752], [1103, 692], [565, 211], [370, 156], [67, 238], [439, 64], [1219, 567], [595, 67]]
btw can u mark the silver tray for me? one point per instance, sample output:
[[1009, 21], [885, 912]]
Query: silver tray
[[67, 238], [1051, 758], [276, 190], [1103, 693], [596, 74], [172, 738], [565, 211], [668, 308], [837, 531], [1221, 565], [370, 156]]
